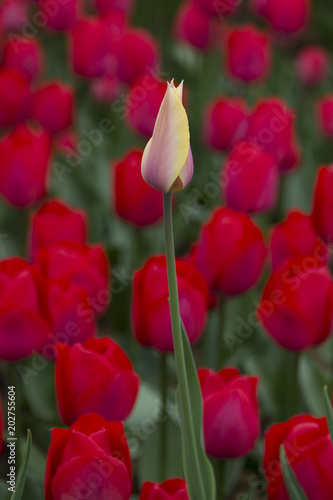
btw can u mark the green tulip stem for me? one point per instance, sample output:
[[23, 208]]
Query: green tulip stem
[[219, 476], [164, 423], [185, 410]]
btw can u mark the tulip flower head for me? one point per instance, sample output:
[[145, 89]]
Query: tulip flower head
[[167, 163]]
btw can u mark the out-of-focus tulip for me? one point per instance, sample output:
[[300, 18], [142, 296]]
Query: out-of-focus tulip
[[14, 14], [105, 6], [218, 8], [137, 53], [272, 127], [24, 160], [145, 98], [248, 53], [251, 179], [309, 450], [15, 96], [260, 7], [55, 222], [196, 27], [226, 122], [91, 456], [80, 265], [25, 321], [60, 15], [106, 89], [171, 489], [312, 65], [96, 377], [296, 237], [24, 55], [296, 307], [287, 17], [150, 306], [231, 413], [52, 106], [91, 55], [167, 163], [325, 115], [230, 252], [322, 212], [134, 200]]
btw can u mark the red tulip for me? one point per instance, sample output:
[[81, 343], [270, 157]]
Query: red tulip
[[260, 7], [226, 122], [60, 15], [296, 237], [145, 98], [230, 252], [24, 55], [136, 53], [104, 6], [25, 320], [272, 127], [296, 307], [196, 27], [106, 89], [322, 218], [134, 200], [172, 489], [24, 160], [90, 459], [325, 115], [312, 65], [91, 55], [95, 377], [286, 16], [248, 53], [52, 106], [55, 222], [150, 304], [15, 97], [14, 14], [310, 453], [231, 413], [251, 179], [77, 264], [218, 8]]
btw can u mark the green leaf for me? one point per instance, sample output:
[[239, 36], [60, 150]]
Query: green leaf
[[23, 470], [294, 489], [329, 412], [205, 468]]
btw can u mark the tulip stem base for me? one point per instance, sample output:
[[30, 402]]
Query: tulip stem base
[[219, 476], [184, 390], [164, 423]]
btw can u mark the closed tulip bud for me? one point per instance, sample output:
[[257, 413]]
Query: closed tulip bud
[[108, 386], [287, 17], [272, 127], [64, 14], [296, 237], [136, 53], [230, 252], [226, 122], [322, 211], [172, 489], [15, 97], [231, 413], [296, 308], [24, 55], [25, 320], [167, 163], [312, 65], [150, 303], [196, 27], [52, 106], [325, 115], [144, 101], [218, 8], [91, 456], [14, 15], [24, 161], [251, 179], [248, 53], [134, 200], [106, 89], [105, 6], [55, 222], [309, 451]]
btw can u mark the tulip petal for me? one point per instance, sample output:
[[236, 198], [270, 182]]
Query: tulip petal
[[168, 149], [186, 173]]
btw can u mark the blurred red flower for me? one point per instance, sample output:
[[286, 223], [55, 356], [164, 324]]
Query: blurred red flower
[[170, 489], [25, 55], [15, 96], [322, 211], [312, 65]]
